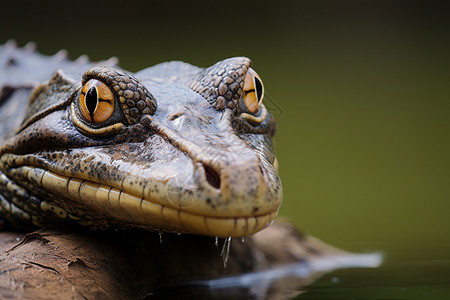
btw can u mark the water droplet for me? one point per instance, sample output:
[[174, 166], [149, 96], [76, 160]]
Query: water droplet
[[216, 242], [160, 237], [243, 239], [226, 251]]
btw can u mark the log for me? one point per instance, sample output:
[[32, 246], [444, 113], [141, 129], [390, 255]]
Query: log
[[74, 263]]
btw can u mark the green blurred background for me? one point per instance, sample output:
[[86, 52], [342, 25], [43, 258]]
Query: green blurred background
[[360, 90]]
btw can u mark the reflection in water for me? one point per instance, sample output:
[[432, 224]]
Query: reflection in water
[[277, 283], [394, 280]]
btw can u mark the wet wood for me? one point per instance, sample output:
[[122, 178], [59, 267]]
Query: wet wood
[[72, 263]]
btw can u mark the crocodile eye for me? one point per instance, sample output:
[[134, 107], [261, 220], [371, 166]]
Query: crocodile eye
[[110, 100], [253, 92], [96, 101]]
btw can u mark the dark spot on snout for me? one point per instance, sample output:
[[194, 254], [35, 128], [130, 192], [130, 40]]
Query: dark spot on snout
[[212, 176]]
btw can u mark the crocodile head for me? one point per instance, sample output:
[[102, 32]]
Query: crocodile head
[[172, 148]]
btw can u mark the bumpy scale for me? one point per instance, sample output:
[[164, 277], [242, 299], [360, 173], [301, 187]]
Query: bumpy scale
[[172, 148]]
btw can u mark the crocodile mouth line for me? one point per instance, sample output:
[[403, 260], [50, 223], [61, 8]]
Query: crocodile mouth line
[[110, 205]]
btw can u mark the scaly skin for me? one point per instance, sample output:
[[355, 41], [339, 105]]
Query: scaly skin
[[178, 154]]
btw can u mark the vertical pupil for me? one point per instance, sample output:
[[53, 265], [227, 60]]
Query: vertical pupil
[[258, 86], [91, 99]]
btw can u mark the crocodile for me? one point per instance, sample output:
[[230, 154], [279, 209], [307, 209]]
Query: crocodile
[[171, 148]]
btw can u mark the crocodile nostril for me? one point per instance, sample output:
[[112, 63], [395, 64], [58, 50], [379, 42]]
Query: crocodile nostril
[[212, 176]]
